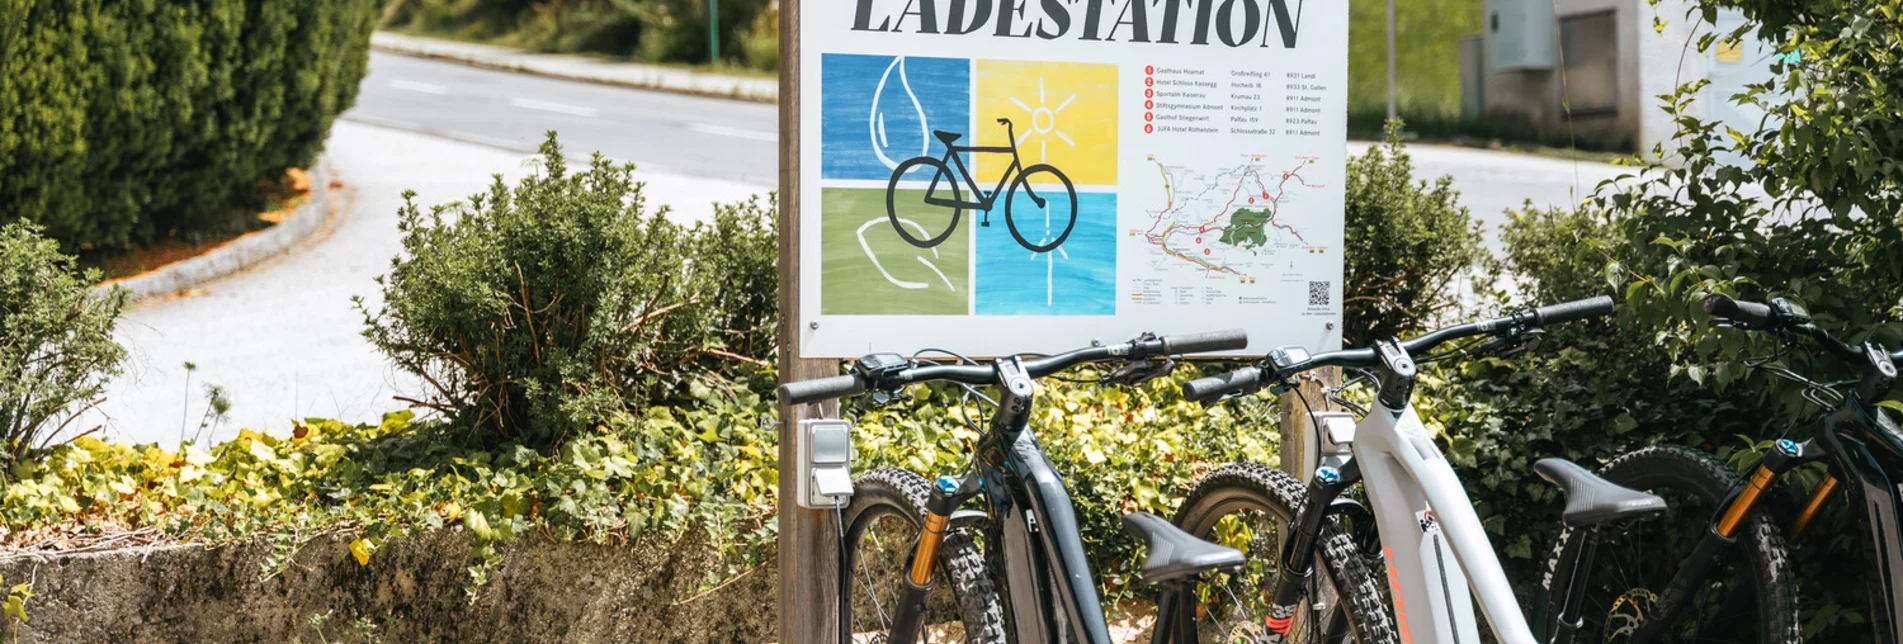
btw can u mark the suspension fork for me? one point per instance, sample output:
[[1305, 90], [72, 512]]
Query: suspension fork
[[947, 494], [1784, 456], [1298, 555]]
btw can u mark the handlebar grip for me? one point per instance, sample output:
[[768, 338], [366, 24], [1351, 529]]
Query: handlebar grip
[[1226, 340], [1751, 313], [807, 391], [1575, 310], [1241, 380]]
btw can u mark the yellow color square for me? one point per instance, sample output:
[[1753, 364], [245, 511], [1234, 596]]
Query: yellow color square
[[1063, 114]]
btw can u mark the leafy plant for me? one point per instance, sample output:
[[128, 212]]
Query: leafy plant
[[539, 310], [14, 608], [124, 121], [56, 346], [1812, 214], [1408, 245], [652, 30]]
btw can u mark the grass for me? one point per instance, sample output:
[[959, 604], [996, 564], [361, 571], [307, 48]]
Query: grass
[[1427, 37]]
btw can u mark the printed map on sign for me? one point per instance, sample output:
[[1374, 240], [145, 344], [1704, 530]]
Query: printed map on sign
[[1240, 223]]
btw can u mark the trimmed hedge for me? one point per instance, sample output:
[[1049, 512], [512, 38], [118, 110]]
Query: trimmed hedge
[[129, 120]]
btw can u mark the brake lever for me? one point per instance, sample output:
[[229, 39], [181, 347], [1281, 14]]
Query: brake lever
[[886, 398], [1135, 373], [1513, 344]]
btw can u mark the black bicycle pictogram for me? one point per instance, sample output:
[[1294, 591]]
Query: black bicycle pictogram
[[1020, 177]]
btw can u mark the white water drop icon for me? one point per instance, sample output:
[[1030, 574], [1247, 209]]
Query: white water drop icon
[[891, 133]]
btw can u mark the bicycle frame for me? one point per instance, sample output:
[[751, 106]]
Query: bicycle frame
[[1846, 439], [1438, 556], [985, 200], [1032, 536]]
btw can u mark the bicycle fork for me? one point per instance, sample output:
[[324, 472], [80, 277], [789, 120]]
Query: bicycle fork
[[947, 494], [1785, 456]]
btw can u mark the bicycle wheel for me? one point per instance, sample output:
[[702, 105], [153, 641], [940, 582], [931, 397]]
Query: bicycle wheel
[[920, 222], [1747, 597], [881, 527], [1039, 185], [1251, 507]]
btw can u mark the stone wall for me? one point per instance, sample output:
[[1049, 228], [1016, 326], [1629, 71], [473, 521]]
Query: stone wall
[[412, 591]]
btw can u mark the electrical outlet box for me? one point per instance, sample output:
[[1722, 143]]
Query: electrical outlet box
[[823, 475], [1520, 35], [1330, 443]]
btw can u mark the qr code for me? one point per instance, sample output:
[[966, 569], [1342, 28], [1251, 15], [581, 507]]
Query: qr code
[[1318, 293]]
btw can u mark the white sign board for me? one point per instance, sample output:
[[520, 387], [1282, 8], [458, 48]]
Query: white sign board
[[1003, 176]]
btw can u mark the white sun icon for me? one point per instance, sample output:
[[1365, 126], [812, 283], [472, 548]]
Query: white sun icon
[[1044, 122]]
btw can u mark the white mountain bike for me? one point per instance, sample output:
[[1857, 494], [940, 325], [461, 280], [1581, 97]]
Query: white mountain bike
[[1439, 560]]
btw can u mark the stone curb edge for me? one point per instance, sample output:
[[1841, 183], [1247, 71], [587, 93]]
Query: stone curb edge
[[240, 253], [734, 93]]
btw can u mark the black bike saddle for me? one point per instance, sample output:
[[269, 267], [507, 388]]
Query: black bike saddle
[[1175, 555], [948, 137], [1591, 500]]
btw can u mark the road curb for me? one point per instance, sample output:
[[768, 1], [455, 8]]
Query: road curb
[[241, 253], [735, 87]]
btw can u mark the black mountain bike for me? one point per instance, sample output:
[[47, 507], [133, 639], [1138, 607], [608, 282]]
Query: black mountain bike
[[915, 568], [1682, 580], [936, 205]]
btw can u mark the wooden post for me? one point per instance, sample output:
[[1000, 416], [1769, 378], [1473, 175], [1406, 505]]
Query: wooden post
[[808, 549], [1296, 434]]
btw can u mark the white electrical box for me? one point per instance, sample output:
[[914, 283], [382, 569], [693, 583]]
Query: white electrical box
[[823, 475], [1331, 442], [1520, 35]]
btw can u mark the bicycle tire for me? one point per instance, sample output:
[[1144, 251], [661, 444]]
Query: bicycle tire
[[1021, 183], [960, 568], [940, 171], [1676, 471], [1251, 486]]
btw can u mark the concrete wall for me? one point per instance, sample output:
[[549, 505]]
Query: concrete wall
[[412, 591]]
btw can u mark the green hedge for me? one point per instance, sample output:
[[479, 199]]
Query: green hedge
[[133, 119]]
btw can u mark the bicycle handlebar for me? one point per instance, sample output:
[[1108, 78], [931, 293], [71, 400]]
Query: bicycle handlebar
[[1783, 316], [805, 391], [1751, 313], [1252, 378], [816, 390]]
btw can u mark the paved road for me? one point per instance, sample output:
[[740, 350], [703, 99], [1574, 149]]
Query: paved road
[[703, 137], [284, 338]]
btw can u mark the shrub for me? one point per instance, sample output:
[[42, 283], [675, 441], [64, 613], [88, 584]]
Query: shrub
[[652, 30], [1812, 215], [56, 346], [1408, 245], [538, 310], [1595, 389], [129, 120]]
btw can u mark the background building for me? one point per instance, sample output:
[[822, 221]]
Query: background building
[[1591, 71]]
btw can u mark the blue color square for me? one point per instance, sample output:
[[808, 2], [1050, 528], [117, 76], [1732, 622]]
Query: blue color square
[[1078, 278], [878, 111]]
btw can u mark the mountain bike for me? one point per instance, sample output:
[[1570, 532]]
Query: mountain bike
[[1438, 557], [1697, 595], [1022, 179], [1016, 570]]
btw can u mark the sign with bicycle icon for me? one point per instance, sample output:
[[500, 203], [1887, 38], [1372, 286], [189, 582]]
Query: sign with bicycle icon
[[981, 179]]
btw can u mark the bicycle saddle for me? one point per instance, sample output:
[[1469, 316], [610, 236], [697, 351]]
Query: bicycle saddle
[[948, 137], [1591, 500], [1175, 555]]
